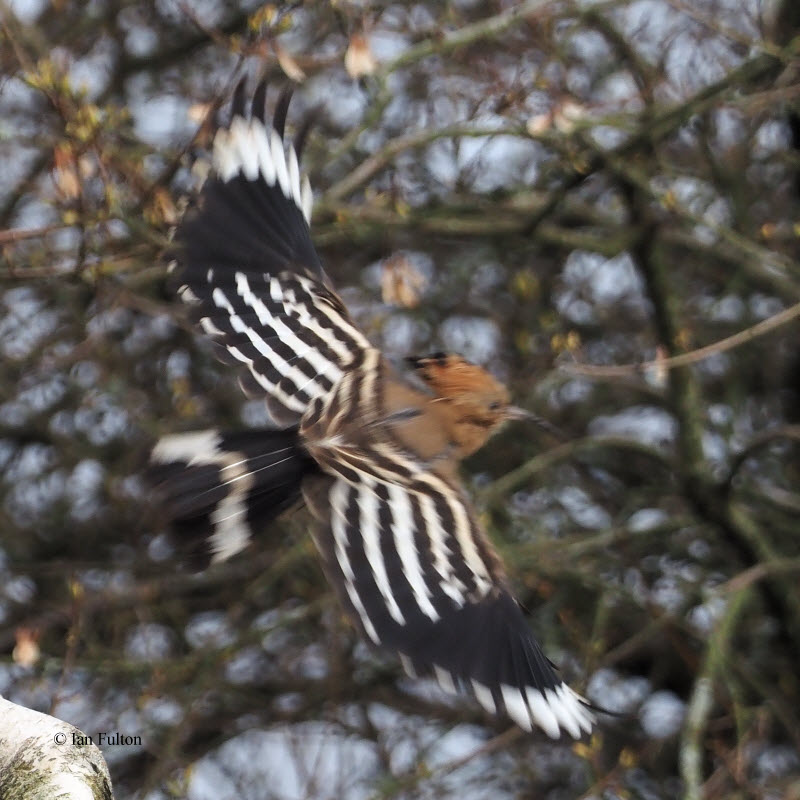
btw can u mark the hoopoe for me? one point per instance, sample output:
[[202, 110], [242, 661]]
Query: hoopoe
[[373, 450]]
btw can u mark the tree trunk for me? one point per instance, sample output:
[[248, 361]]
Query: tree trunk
[[44, 758]]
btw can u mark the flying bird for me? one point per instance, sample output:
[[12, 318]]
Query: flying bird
[[372, 448]]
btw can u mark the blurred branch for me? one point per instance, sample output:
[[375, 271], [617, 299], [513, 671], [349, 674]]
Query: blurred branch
[[641, 71], [42, 161], [752, 255], [16, 235], [513, 480], [178, 48], [372, 164], [692, 357], [786, 502], [713, 24], [469, 34], [754, 261], [263, 565], [403, 784], [749, 531], [760, 571], [658, 126], [700, 486], [767, 266], [700, 703], [654, 630], [477, 219], [580, 544], [774, 699], [439, 45], [790, 432]]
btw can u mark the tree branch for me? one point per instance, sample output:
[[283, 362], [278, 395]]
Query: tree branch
[[42, 757], [693, 356]]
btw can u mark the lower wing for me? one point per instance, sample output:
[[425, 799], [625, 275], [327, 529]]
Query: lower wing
[[409, 568]]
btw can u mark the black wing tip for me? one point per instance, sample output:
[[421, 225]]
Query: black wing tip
[[280, 114], [306, 126], [628, 716], [257, 107], [487, 649], [239, 105], [551, 709], [254, 209], [282, 109]]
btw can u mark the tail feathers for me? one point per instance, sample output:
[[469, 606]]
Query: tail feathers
[[219, 490]]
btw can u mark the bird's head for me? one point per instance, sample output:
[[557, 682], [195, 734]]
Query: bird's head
[[474, 402]]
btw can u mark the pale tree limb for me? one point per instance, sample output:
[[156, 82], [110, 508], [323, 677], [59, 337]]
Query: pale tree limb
[[377, 161], [44, 758], [469, 34], [745, 579], [692, 357], [700, 703], [18, 235]]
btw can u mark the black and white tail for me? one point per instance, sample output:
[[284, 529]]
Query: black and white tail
[[219, 490]]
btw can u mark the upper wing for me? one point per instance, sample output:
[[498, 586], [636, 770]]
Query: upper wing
[[416, 574], [247, 266]]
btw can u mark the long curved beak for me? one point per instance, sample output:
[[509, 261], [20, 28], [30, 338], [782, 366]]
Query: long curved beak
[[515, 412]]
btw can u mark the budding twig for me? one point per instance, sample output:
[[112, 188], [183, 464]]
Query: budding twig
[[692, 357]]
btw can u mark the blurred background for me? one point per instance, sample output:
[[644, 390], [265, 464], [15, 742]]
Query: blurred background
[[545, 187]]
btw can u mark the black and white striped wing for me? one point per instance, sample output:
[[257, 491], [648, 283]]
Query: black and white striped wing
[[416, 575], [247, 267]]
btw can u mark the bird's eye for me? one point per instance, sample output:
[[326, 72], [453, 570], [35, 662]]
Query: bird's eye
[[494, 406]]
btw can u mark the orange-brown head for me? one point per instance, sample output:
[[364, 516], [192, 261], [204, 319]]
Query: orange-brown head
[[467, 398]]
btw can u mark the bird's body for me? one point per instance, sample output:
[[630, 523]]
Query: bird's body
[[373, 449]]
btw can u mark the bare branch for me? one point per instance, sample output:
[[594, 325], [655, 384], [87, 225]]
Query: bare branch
[[685, 359]]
